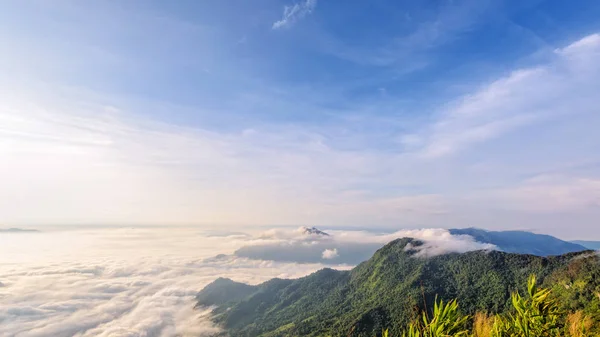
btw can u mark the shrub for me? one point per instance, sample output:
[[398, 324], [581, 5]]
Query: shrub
[[446, 321], [535, 315]]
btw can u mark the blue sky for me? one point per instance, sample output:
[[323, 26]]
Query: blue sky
[[356, 113]]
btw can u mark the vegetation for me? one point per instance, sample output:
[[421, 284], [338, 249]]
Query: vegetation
[[397, 291], [446, 321], [536, 315]]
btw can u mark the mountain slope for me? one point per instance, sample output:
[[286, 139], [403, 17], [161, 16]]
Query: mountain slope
[[386, 291], [522, 242], [223, 290]]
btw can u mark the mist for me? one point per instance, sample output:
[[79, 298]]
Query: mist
[[142, 281], [350, 247], [118, 281]]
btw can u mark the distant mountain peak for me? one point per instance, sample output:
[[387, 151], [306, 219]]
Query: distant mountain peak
[[17, 230], [312, 231], [521, 242], [595, 245]]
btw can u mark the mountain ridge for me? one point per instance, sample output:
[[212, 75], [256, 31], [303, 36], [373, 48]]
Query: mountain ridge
[[352, 253], [521, 242], [595, 245], [386, 291], [18, 230]]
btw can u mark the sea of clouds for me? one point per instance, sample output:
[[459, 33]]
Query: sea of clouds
[[349, 247], [142, 281]]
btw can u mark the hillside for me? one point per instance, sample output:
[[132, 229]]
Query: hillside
[[389, 289]]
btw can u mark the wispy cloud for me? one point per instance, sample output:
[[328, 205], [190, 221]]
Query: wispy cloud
[[291, 14], [527, 96], [111, 166], [412, 45], [258, 150], [88, 152], [548, 193]]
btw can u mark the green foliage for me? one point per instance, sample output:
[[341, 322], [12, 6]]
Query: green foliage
[[577, 286], [394, 287], [538, 315], [446, 321], [222, 291]]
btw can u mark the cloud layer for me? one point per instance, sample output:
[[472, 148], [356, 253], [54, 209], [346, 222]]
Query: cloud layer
[[117, 282], [142, 281], [349, 247]]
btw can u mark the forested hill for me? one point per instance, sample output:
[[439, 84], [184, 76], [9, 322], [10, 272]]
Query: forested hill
[[389, 289]]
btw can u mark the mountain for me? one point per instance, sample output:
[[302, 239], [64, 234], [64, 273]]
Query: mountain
[[17, 230], [313, 231], [353, 253], [522, 242], [224, 290], [595, 245], [390, 288]]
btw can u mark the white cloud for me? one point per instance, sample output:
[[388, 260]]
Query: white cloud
[[437, 241], [329, 254], [118, 169], [548, 193], [291, 14], [109, 166], [118, 282], [71, 156], [142, 281], [440, 241], [350, 247], [564, 86]]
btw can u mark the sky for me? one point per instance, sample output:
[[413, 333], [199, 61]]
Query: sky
[[371, 114]]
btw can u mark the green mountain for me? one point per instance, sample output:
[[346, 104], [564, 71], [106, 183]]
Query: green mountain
[[389, 290], [223, 290]]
